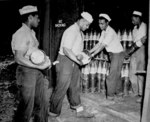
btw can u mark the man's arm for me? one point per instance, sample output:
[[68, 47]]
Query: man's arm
[[104, 40], [138, 43], [69, 39], [134, 47], [142, 35], [71, 55], [20, 45], [96, 49], [143, 39], [20, 59]]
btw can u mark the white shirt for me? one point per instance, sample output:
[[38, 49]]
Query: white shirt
[[72, 39], [138, 33], [24, 39], [110, 39]]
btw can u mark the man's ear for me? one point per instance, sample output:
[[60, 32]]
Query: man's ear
[[30, 17], [107, 22]]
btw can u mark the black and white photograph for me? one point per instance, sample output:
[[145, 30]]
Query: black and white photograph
[[74, 61]]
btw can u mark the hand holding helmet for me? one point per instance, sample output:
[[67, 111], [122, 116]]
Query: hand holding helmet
[[83, 58], [38, 57]]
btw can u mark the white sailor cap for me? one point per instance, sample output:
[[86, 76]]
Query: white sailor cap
[[27, 9], [87, 16], [138, 13], [105, 16]]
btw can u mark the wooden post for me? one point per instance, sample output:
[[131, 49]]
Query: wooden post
[[46, 34], [146, 103], [46, 28]]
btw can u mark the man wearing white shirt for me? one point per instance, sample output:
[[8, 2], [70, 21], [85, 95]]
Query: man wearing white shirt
[[31, 81], [109, 40], [137, 62], [68, 73]]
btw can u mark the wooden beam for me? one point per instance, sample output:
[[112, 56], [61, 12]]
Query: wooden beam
[[146, 103]]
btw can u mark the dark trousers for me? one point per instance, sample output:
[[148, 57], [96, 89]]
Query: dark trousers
[[113, 82], [68, 78], [33, 98]]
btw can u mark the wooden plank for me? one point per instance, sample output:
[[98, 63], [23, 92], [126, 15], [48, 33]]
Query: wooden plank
[[146, 105]]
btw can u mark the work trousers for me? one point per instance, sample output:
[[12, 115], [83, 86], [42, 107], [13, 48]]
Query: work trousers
[[114, 83], [68, 79], [137, 63], [33, 95]]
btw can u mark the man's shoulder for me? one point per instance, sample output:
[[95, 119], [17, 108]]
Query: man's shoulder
[[143, 24], [20, 32], [142, 27], [111, 30], [72, 28]]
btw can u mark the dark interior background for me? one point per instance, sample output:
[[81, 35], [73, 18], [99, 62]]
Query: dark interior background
[[119, 10], [51, 11]]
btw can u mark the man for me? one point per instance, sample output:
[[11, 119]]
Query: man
[[68, 73], [111, 43], [137, 62], [29, 76]]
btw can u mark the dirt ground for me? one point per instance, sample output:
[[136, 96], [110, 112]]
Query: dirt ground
[[103, 109]]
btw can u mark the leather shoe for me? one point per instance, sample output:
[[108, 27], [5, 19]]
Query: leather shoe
[[119, 99], [84, 114], [110, 98], [139, 100], [56, 119]]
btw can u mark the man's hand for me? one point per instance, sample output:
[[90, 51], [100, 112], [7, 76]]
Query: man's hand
[[46, 64], [91, 55], [79, 57], [86, 52], [127, 56], [83, 58], [131, 50], [81, 63]]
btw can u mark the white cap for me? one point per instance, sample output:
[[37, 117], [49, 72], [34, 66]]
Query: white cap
[[105, 16], [87, 16], [27, 9], [138, 13]]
